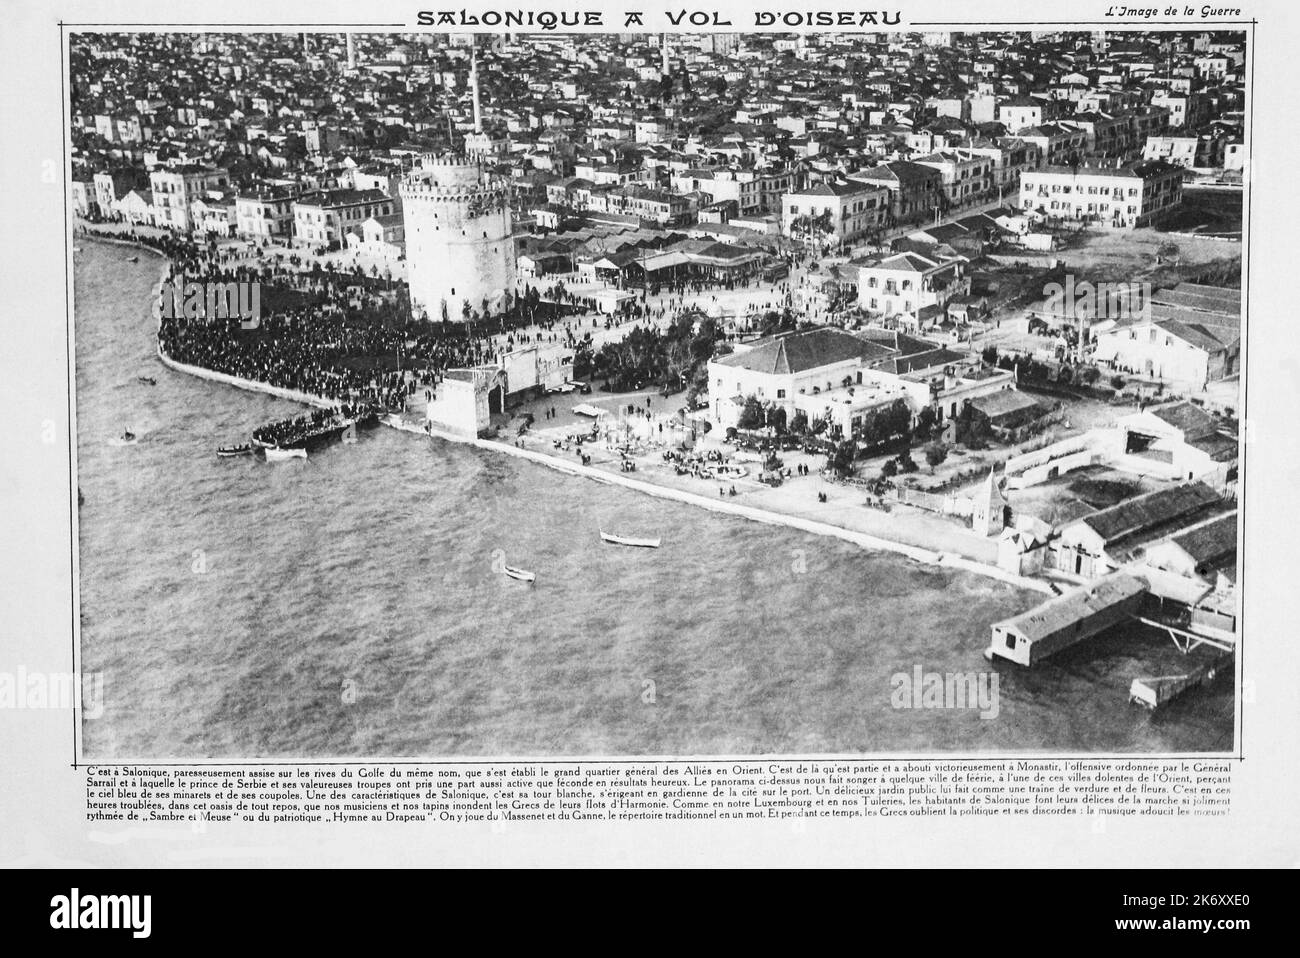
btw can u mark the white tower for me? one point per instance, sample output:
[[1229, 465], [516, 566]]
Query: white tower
[[352, 52], [459, 244]]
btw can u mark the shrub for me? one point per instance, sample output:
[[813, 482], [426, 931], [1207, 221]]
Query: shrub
[[935, 453]]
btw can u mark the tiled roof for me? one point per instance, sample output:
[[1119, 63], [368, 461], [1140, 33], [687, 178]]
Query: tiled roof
[[800, 352], [1147, 512]]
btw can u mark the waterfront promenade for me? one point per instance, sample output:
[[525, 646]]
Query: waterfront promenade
[[940, 545]]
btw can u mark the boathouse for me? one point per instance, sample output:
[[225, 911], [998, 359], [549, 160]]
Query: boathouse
[[1061, 622]]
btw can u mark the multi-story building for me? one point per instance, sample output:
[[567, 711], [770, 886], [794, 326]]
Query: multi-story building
[[110, 186], [1057, 145], [265, 214], [174, 188], [834, 212], [967, 175], [1124, 198], [915, 192], [1019, 112], [1179, 150], [898, 288], [1186, 110], [1010, 155], [325, 218]]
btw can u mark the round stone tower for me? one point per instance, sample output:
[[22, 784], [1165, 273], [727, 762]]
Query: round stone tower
[[459, 245]]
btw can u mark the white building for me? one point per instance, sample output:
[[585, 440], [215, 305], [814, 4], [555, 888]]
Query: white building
[[265, 214], [826, 373], [1122, 198], [834, 212], [175, 188], [897, 288]]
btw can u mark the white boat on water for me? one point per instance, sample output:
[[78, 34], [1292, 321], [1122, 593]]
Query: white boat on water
[[277, 454], [645, 542], [523, 575]]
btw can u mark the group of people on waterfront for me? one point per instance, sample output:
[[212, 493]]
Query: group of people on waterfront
[[298, 429]]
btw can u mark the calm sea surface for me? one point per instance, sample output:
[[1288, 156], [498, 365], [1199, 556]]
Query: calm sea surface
[[348, 606]]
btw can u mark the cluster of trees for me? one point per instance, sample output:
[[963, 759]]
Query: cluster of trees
[[887, 426], [1031, 370], [902, 463], [673, 359]]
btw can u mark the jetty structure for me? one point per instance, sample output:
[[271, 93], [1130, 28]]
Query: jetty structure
[[1068, 619]]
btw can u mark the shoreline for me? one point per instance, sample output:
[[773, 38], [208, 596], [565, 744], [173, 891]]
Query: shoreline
[[752, 513], [864, 540]]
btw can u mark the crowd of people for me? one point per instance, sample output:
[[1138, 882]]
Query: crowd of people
[[299, 429]]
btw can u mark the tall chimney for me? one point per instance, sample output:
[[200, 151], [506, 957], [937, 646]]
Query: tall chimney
[[352, 52]]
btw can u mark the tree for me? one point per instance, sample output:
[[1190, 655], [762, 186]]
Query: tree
[[841, 460], [889, 470], [799, 423], [751, 417], [906, 463], [1117, 383], [776, 419], [990, 355], [935, 454], [926, 420]]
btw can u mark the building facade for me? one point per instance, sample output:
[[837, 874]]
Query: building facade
[[1122, 198]]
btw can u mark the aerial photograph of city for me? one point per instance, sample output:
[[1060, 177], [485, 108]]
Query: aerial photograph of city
[[641, 394]]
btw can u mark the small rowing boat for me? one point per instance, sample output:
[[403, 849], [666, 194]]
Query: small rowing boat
[[523, 575], [133, 259], [146, 380], [644, 542], [241, 450], [279, 454]]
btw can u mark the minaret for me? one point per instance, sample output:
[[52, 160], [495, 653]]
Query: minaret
[[663, 49], [473, 82], [988, 515], [352, 52]]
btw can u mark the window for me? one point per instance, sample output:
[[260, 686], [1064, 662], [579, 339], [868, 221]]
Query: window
[[780, 394]]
